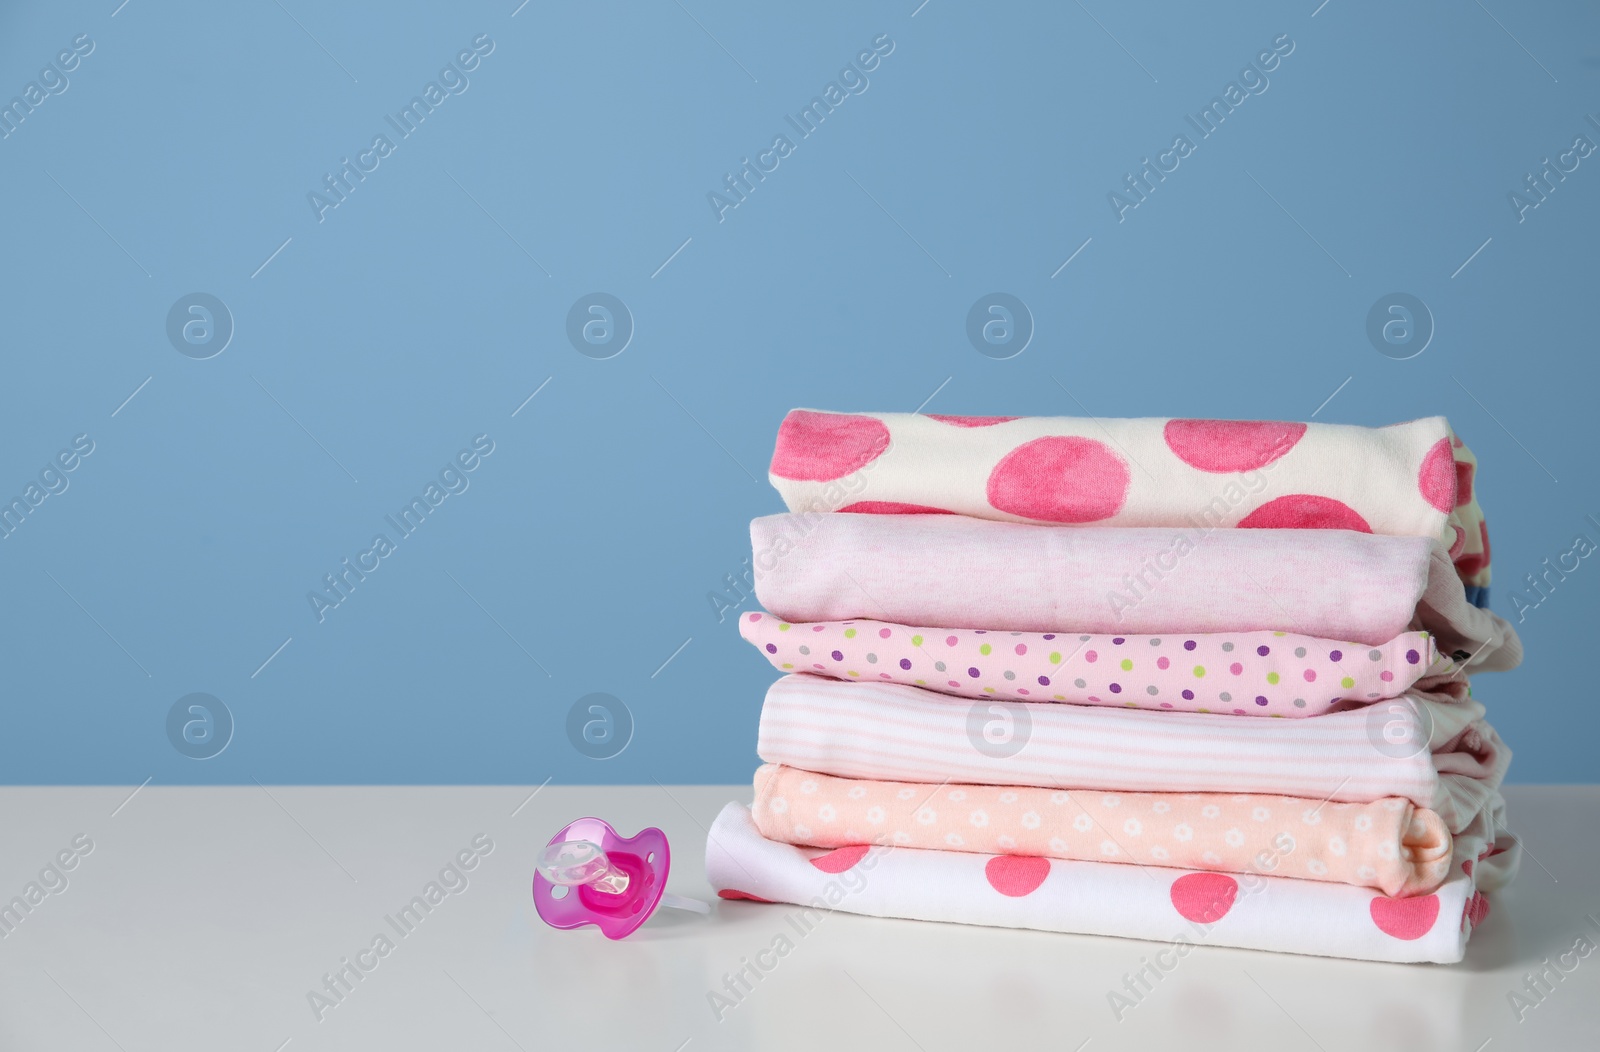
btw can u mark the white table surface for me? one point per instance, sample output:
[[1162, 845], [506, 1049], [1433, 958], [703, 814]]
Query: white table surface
[[203, 917]]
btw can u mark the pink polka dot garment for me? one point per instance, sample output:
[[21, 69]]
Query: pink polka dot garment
[[1388, 844], [1242, 673], [1414, 479], [1182, 908]]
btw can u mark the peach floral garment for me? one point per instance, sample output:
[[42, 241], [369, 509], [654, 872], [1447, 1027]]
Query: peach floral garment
[[1389, 844]]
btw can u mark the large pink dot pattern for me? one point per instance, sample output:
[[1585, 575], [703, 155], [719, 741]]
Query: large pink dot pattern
[[1225, 446], [1437, 477], [970, 421], [1204, 898], [893, 507], [1078, 480], [1405, 918], [1059, 479], [1464, 473], [820, 447], [735, 893], [1305, 511], [840, 859], [1016, 875], [1472, 563]]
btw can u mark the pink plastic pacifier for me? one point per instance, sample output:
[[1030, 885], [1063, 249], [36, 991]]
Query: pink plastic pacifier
[[588, 874]]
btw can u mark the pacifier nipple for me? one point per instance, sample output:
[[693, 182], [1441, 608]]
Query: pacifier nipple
[[579, 862]]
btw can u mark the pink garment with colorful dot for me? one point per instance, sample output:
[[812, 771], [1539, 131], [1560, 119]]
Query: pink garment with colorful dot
[[1242, 673]]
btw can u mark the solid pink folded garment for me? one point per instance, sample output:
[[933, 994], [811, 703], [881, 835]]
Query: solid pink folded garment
[[1390, 844], [1181, 908], [1244, 673], [1408, 480], [1439, 755], [953, 571]]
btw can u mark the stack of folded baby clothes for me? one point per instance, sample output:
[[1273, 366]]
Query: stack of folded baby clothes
[[1195, 681]]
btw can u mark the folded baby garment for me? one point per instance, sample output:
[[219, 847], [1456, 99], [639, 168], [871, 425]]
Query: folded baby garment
[[1182, 908], [1389, 844], [1406, 480], [1440, 756], [954, 571], [918, 767], [1244, 673]]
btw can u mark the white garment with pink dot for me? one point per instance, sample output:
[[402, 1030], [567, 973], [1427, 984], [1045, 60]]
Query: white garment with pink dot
[[1406, 480], [1174, 906]]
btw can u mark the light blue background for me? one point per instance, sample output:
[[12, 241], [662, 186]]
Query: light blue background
[[409, 320]]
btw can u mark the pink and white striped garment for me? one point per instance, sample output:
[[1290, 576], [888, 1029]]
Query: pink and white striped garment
[[1408, 480], [1183, 909], [1243, 673], [1441, 756], [952, 571]]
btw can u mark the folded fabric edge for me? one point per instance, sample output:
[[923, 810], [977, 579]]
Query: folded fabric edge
[[1251, 673], [1090, 898], [1390, 845]]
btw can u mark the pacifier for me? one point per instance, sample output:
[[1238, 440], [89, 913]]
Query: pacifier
[[589, 874]]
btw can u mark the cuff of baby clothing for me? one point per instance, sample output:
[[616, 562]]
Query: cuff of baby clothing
[[1425, 852]]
